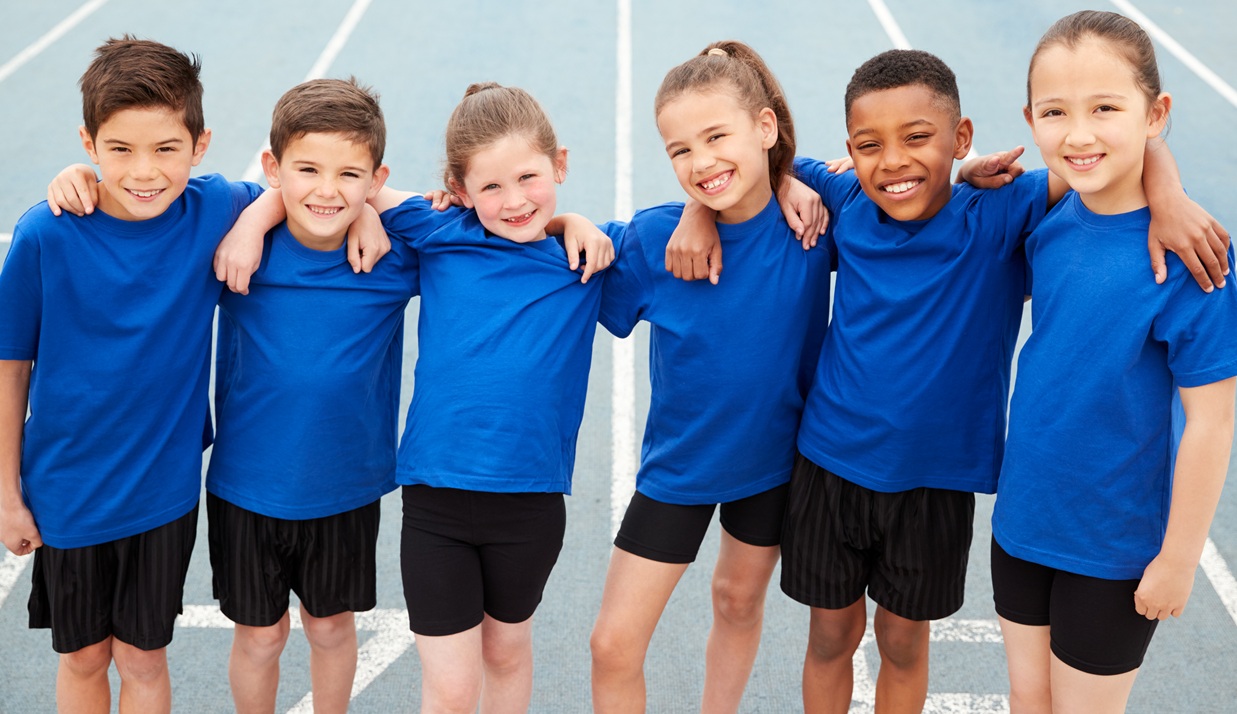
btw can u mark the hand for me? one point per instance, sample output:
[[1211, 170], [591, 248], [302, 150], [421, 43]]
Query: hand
[[803, 209], [441, 200], [1199, 240], [581, 236], [17, 530], [840, 166], [75, 189], [1164, 589], [367, 241], [993, 170], [695, 250]]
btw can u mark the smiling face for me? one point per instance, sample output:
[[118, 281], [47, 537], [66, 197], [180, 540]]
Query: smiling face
[[325, 180], [1091, 122], [719, 152], [144, 157], [513, 187], [904, 141]]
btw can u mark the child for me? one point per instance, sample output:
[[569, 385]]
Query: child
[[109, 462], [1097, 534], [725, 402], [505, 340]]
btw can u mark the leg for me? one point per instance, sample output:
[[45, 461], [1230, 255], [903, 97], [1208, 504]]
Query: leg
[[145, 687], [740, 582], [636, 591], [253, 667], [1077, 692], [1028, 653], [828, 675], [332, 659], [902, 685], [81, 680], [451, 672], [507, 658]]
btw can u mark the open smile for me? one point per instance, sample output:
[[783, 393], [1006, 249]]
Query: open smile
[[716, 184]]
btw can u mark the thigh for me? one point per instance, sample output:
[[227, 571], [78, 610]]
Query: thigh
[[335, 562], [150, 582], [663, 532], [71, 593], [250, 575], [1021, 590], [521, 536], [1095, 628], [920, 573], [441, 567], [825, 538], [757, 520]]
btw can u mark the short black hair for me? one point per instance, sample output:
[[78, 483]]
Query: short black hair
[[904, 68]]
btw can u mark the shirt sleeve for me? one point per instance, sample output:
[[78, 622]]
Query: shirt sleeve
[[415, 219], [627, 290], [1009, 214], [1198, 329], [833, 188], [21, 295]]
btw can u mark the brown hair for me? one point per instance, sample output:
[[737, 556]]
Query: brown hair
[[488, 113], [733, 66], [129, 73], [1123, 34], [329, 106]]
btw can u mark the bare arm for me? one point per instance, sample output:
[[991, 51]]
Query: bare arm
[[580, 235], [1179, 224], [695, 250], [17, 529], [240, 251], [1202, 463]]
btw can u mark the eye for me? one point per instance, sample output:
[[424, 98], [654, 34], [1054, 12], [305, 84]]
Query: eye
[[166, 149], [868, 146], [120, 149], [1052, 113], [715, 137], [526, 177], [678, 152], [489, 187], [308, 170], [350, 174], [919, 137], [1106, 108]]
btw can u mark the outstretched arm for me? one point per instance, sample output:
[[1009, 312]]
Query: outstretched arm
[[1179, 224], [1202, 462], [17, 529]]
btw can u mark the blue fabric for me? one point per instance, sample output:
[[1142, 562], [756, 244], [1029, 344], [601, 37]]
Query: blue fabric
[[1087, 477], [913, 378], [505, 339], [730, 364], [307, 380], [116, 316]]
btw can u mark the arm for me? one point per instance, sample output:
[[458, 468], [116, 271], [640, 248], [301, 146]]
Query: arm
[[804, 211], [1202, 462], [1179, 224], [581, 236], [695, 250], [240, 251], [75, 189], [993, 170], [17, 528]]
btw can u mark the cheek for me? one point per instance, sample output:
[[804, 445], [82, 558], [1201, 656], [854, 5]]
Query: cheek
[[541, 193]]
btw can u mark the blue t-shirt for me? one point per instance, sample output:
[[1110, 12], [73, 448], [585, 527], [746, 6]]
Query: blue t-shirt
[[730, 364], [505, 338], [307, 379], [1087, 477], [913, 379], [117, 318]]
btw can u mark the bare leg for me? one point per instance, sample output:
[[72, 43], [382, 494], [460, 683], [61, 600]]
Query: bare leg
[[507, 655], [828, 675], [81, 680], [145, 687], [1028, 652], [902, 685], [635, 595], [332, 659], [451, 672], [253, 667], [740, 582], [1076, 692]]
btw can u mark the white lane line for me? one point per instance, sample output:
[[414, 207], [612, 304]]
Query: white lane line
[[891, 25], [1196, 66], [51, 36], [5, 239], [624, 458], [11, 569], [332, 50], [1221, 577]]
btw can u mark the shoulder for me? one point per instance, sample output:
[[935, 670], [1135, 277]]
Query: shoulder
[[215, 195], [655, 224]]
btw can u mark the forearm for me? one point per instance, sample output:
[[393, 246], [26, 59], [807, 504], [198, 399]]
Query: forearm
[[1161, 179], [14, 393], [1202, 463]]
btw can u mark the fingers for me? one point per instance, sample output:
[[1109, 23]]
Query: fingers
[[368, 260], [715, 266], [238, 281], [1200, 272], [797, 225], [590, 267], [1009, 157], [572, 246], [51, 201], [1157, 262]]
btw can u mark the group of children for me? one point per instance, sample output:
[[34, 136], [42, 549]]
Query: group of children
[[848, 448]]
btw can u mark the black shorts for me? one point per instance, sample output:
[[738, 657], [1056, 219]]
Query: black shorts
[[131, 588], [907, 549], [670, 533], [1092, 622], [257, 560], [467, 554]]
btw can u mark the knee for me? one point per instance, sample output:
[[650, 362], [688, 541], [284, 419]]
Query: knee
[[330, 632], [736, 604], [835, 638], [138, 665], [902, 644], [89, 660], [260, 644], [613, 650]]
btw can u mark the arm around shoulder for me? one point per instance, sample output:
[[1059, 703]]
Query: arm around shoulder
[[18, 531]]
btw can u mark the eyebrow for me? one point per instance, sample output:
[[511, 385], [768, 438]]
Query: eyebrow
[[121, 142], [1091, 98], [916, 122], [317, 165], [707, 130]]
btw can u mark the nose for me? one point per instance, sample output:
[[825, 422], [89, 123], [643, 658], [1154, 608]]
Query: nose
[[893, 157], [327, 188], [513, 199], [1079, 132], [702, 161], [144, 167]]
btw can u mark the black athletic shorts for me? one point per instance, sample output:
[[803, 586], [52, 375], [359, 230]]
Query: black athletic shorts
[[1092, 622], [670, 533], [131, 588], [467, 554], [907, 549], [257, 560]]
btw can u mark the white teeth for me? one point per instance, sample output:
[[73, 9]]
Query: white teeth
[[1083, 162], [146, 194], [714, 183], [902, 187], [519, 219], [323, 211]]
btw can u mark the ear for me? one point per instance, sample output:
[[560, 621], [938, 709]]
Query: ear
[[963, 135], [378, 181], [1026, 114], [270, 167], [88, 144], [850, 150], [1158, 116], [458, 189], [199, 149], [766, 121], [560, 165]]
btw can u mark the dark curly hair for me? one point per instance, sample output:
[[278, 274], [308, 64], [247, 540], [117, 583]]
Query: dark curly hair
[[904, 68]]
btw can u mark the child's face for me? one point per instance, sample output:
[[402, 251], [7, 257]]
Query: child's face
[[144, 157], [325, 180], [904, 141], [719, 152], [513, 188], [1091, 123]]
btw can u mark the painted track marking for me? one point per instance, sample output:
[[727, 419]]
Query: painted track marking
[[1189, 60], [11, 569], [48, 38]]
